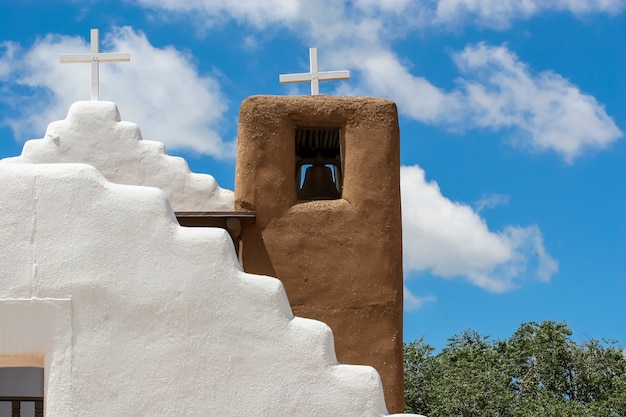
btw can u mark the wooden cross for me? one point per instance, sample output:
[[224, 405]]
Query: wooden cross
[[95, 58], [314, 77]]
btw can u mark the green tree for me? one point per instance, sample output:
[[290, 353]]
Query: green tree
[[475, 382], [418, 366], [538, 371]]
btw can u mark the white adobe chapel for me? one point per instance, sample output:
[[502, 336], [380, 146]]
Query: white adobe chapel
[[121, 311], [127, 312]]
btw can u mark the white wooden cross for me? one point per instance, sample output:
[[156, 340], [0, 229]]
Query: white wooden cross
[[95, 58], [314, 77]]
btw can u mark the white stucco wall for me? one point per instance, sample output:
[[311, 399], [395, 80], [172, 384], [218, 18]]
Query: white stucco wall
[[145, 317], [93, 133]]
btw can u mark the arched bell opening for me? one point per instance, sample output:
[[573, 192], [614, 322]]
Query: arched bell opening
[[319, 173]]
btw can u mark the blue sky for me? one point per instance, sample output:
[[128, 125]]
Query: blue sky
[[512, 118]]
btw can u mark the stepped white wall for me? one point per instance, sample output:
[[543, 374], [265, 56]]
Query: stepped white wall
[[93, 133], [139, 316], [130, 313]]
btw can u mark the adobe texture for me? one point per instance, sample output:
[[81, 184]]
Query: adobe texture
[[339, 260]]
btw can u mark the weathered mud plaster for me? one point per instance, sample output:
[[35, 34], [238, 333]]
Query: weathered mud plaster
[[340, 260], [93, 133], [163, 322]]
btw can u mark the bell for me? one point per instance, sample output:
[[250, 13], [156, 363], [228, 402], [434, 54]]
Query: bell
[[318, 184]]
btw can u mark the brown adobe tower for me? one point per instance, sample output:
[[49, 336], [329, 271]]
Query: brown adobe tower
[[322, 174]]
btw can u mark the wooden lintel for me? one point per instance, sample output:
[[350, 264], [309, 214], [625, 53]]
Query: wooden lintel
[[214, 218]]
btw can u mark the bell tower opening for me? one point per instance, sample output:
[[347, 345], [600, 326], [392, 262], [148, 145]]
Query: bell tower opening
[[319, 170]]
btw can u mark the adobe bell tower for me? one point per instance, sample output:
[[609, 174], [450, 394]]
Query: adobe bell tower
[[322, 174]]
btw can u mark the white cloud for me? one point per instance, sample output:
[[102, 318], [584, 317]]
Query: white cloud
[[542, 112], [450, 240], [547, 111], [384, 75], [6, 64], [160, 90], [413, 302], [393, 16], [493, 13], [491, 201], [214, 12]]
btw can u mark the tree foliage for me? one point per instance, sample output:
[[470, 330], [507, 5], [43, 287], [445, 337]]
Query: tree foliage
[[538, 371]]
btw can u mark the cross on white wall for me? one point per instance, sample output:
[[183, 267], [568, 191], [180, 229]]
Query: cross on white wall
[[314, 77], [95, 58]]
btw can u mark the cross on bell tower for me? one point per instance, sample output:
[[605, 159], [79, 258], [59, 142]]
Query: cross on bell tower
[[314, 76]]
